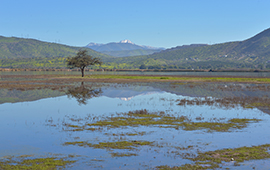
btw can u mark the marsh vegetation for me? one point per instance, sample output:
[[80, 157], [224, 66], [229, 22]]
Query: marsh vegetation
[[30, 162]]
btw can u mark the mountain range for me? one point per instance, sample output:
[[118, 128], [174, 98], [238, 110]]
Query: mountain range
[[251, 53], [123, 48]]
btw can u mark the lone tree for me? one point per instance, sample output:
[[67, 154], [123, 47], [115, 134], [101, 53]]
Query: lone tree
[[82, 60]]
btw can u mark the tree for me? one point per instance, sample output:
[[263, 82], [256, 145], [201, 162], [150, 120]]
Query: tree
[[143, 66], [82, 60]]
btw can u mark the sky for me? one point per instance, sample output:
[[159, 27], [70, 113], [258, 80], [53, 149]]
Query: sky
[[157, 23]]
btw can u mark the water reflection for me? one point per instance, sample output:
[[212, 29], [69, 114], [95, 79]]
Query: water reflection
[[228, 102], [83, 93], [144, 140]]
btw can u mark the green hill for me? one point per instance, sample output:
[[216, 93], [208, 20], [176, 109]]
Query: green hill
[[12, 47], [30, 53]]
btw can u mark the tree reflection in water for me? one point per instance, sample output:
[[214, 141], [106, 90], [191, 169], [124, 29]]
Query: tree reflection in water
[[83, 93]]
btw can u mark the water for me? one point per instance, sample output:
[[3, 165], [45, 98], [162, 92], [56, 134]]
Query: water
[[36, 127]]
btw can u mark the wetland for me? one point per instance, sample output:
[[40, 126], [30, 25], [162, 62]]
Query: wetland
[[128, 121]]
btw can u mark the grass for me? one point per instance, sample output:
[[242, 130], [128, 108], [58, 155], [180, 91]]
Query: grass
[[265, 104], [212, 159], [135, 118], [24, 162], [139, 117], [127, 134], [132, 121], [197, 165], [62, 82], [211, 126], [162, 120], [218, 126], [238, 154], [116, 154], [111, 145], [28, 82], [173, 78], [157, 119]]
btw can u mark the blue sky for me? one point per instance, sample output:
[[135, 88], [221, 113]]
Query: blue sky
[[158, 23]]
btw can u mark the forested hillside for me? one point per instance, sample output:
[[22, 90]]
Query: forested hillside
[[12, 47], [30, 53], [253, 53]]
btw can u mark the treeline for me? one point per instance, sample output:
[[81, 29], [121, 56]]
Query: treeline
[[34, 62]]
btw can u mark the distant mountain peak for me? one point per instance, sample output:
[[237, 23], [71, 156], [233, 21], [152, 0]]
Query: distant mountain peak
[[93, 44], [123, 48], [126, 41]]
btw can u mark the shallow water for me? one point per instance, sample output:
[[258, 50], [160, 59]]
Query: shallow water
[[36, 127]]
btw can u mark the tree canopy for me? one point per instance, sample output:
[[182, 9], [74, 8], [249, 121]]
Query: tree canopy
[[82, 60]]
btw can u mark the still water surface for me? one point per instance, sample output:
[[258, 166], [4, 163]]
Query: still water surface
[[26, 128]]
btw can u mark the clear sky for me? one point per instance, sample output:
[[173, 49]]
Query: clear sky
[[158, 23]]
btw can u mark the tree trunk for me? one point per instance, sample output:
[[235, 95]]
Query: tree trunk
[[82, 69]]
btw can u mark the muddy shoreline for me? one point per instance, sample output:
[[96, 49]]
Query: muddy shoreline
[[89, 76], [134, 70], [6, 79]]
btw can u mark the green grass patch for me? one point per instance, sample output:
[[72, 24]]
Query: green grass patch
[[24, 162], [243, 121], [213, 159], [116, 154], [158, 119], [126, 134], [218, 126], [143, 118], [200, 79], [137, 118], [111, 145], [257, 104], [238, 154], [197, 165]]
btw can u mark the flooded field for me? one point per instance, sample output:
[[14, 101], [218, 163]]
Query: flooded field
[[86, 124]]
